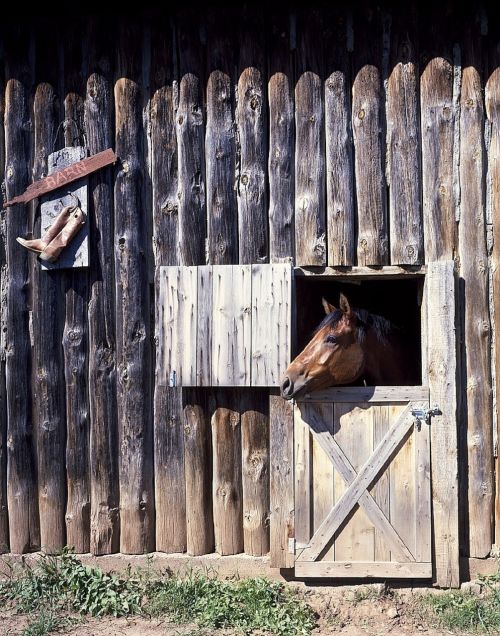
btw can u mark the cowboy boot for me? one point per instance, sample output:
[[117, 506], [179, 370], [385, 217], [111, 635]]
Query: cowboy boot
[[68, 232], [38, 245]]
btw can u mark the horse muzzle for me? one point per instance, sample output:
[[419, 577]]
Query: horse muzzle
[[290, 389]]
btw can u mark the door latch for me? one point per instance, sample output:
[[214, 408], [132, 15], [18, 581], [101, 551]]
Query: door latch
[[424, 415]]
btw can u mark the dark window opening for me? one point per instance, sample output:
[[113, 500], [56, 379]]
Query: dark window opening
[[397, 300]]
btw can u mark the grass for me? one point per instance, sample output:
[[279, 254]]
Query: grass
[[464, 611], [57, 589]]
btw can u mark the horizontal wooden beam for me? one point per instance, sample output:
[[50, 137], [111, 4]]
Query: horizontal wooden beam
[[364, 569], [67, 175], [373, 273], [368, 394]]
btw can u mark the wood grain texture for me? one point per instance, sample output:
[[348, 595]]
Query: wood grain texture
[[220, 148], [168, 428], [48, 364], [492, 100], [251, 128], [189, 122], [281, 162], [442, 384], [477, 337], [255, 471], [381, 489], [4, 513], [132, 321], [302, 445], [22, 497], [197, 456], [403, 144], [340, 207], [364, 570], [437, 125], [227, 478], [104, 488], [368, 123], [281, 481], [310, 222], [75, 347]]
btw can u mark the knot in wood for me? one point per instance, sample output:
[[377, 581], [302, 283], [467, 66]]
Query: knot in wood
[[410, 251], [363, 243], [121, 243], [180, 120], [442, 189], [73, 335], [447, 112], [125, 166], [254, 102], [312, 119], [469, 103], [361, 114], [244, 179], [142, 505], [234, 419]]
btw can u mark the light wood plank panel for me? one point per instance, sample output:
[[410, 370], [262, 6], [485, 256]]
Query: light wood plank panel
[[369, 394], [366, 570], [302, 446]]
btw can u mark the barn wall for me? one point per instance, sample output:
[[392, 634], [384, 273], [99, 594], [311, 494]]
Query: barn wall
[[321, 136]]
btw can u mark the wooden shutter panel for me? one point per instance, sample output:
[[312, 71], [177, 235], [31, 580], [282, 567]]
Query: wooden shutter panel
[[225, 325]]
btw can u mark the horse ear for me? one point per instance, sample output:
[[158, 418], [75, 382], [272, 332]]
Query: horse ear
[[344, 304], [327, 307]]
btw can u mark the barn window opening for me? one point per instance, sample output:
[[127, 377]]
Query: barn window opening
[[396, 300]]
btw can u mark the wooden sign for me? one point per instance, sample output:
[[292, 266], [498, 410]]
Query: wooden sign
[[76, 254], [64, 176]]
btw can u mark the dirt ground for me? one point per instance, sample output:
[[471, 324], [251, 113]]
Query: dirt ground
[[349, 611]]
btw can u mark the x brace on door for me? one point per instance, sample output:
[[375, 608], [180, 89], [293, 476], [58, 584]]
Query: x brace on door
[[358, 484]]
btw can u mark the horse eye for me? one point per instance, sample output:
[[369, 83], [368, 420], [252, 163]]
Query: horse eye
[[331, 339]]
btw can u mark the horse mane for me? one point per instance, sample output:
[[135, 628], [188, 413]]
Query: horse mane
[[365, 322]]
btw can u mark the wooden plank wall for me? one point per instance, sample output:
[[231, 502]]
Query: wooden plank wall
[[324, 137]]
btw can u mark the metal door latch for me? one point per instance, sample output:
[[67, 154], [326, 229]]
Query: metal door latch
[[424, 415]]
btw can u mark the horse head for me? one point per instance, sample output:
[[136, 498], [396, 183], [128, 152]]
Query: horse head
[[335, 355]]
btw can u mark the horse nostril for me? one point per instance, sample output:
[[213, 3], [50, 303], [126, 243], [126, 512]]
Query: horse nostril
[[286, 387]]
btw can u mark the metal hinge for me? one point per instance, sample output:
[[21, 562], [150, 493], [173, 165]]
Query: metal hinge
[[424, 415]]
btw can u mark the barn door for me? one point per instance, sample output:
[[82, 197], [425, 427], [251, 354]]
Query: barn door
[[362, 484]]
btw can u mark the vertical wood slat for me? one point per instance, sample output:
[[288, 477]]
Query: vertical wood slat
[[48, 371], [4, 514], [255, 471], [132, 325], [423, 489], [271, 315], [168, 428], [302, 473], [442, 387], [24, 529], [310, 239], [104, 490], [204, 327], [403, 146], [199, 515], [474, 272], [339, 150], [369, 144], [220, 149], [231, 340], [382, 488], [282, 503], [323, 474], [492, 99], [251, 127], [75, 347], [437, 126], [281, 147], [227, 479]]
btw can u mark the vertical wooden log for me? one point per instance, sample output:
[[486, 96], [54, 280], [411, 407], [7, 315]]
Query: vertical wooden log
[[282, 481], [4, 514], [310, 240], [104, 486], [24, 529], [75, 335], [170, 490], [220, 148], [492, 98], [255, 472], [437, 125], [48, 371], [226, 481], [200, 524], [251, 127], [190, 142], [132, 313], [474, 272], [281, 144], [403, 144], [339, 147], [369, 142]]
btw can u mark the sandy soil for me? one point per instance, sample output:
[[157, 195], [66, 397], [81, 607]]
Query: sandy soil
[[349, 611]]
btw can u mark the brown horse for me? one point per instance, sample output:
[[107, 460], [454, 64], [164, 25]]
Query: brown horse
[[350, 346]]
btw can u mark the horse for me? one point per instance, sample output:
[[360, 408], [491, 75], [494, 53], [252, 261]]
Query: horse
[[350, 347]]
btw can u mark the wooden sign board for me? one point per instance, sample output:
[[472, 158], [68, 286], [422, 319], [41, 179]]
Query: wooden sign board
[[76, 254]]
